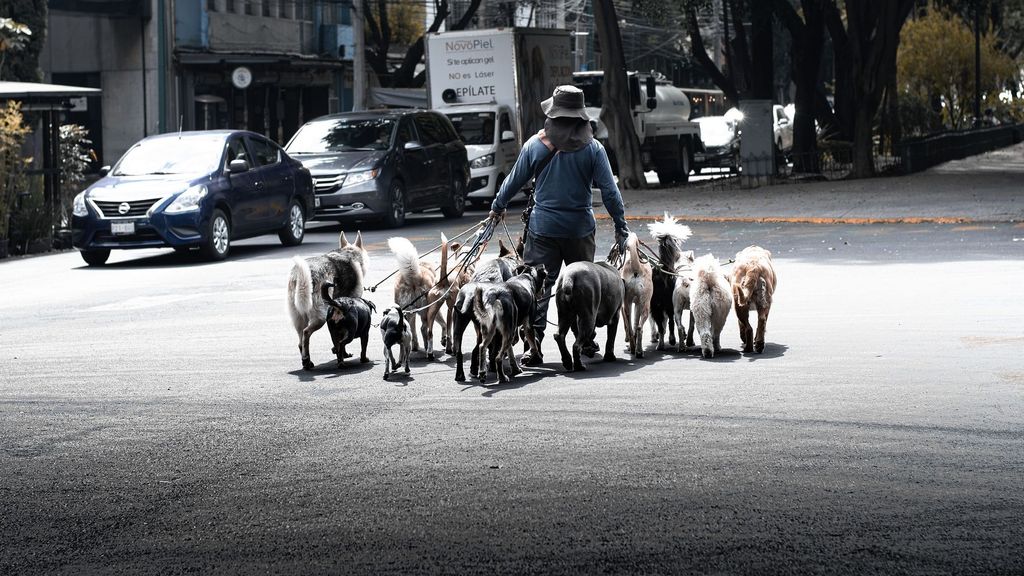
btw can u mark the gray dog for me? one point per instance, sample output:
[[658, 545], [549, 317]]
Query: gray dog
[[588, 295]]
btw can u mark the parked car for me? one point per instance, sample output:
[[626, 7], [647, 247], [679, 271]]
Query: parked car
[[383, 164], [721, 138], [783, 127], [193, 189]]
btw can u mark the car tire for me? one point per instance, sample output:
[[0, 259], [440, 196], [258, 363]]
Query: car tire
[[295, 228], [96, 257], [217, 243], [456, 205], [395, 215]]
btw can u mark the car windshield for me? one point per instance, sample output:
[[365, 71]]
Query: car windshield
[[342, 135], [715, 130], [182, 155], [474, 127], [591, 87]]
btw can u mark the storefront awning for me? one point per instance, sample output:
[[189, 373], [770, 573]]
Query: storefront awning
[[38, 92]]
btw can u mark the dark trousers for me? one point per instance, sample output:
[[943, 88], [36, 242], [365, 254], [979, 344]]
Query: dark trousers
[[552, 253]]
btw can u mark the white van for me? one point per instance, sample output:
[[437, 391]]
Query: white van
[[491, 146]]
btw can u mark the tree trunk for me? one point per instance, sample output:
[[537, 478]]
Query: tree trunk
[[701, 54], [808, 39], [762, 52], [617, 113]]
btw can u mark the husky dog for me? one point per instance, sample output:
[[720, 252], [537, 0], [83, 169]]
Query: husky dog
[[501, 310], [412, 289], [753, 284], [395, 330], [446, 290], [710, 300], [493, 271], [588, 295], [349, 319], [670, 236], [344, 267], [636, 305]]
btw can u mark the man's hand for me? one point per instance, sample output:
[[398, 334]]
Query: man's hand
[[496, 216], [620, 236]]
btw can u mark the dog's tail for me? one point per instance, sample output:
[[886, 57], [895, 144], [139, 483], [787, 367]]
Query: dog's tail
[[478, 302], [442, 280], [563, 291], [302, 297], [407, 256], [706, 273], [632, 253]]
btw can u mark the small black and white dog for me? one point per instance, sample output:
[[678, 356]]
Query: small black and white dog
[[670, 235], [348, 319], [502, 310], [395, 330]]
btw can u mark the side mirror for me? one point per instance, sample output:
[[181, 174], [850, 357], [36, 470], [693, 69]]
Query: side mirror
[[652, 103], [651, 88], [237, 166], [508, 136], [104, 171], [412, 145]]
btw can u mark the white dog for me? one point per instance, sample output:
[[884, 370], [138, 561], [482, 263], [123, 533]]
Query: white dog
[[710, 300], [412, 290]]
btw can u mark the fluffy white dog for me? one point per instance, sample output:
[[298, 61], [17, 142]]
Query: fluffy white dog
[[710, 301]]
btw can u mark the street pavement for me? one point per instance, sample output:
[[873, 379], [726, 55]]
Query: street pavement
[[154, 418]]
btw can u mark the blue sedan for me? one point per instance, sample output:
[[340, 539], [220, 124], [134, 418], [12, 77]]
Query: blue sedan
[[194, 189]]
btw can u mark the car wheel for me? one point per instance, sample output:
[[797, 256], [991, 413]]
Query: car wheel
[[456, 206], [217, 243], [96, 257], [395, 216], [295, 229]]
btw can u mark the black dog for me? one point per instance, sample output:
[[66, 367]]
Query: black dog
[[497, 270], [348, 319], [503, 309]]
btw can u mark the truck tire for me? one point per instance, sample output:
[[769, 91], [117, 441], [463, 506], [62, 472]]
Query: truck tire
[[683, 175]]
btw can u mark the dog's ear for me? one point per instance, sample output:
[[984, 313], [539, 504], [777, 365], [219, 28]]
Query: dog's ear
[[454, 247], [342, 240], [503, 250], [359, 239]]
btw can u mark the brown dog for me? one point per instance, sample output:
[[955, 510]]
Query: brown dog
[[412, 289], [446, 290], [753, 284]]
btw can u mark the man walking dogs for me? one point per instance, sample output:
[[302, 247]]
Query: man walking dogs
[[563, 159]]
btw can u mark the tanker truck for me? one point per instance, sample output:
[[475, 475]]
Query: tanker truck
[[490, 84], [661, 120]]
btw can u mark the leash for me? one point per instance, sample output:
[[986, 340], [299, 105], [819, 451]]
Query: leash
[[427, 253]]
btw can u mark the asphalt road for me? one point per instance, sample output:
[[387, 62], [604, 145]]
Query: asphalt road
[[154, 419]]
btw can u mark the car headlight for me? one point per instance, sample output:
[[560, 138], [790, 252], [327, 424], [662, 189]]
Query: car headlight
[[356, 178], [482, 162], [188, 200], [79, 208]]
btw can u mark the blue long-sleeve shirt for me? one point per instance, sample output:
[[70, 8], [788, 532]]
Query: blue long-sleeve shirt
[[562, 194]]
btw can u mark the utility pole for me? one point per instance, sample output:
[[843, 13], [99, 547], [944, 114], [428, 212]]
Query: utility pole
[[359, 58]]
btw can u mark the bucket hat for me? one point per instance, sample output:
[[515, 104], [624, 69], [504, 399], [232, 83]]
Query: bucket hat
[[566, 102]]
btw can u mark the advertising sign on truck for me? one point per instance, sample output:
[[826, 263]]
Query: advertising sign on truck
[[490, 83]]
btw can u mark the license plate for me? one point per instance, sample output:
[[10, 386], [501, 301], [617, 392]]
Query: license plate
[[316, 202], [122, 227]]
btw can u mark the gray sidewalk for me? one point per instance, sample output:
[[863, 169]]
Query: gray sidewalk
[[984, 188]]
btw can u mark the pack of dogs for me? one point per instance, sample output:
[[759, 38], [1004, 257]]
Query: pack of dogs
[[498, 298]]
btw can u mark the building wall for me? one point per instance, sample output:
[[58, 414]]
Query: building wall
[[238, 31], [111, 47]]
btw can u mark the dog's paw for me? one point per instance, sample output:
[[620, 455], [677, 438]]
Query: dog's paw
[[334, 349], [758, 347], [341, 363], [430, 357], [406, 369], [660, 346], [346, 354], [567, 363], [386, 376], [460, 377], [610, 358], [307, 364], [639, 354], [364, 360]]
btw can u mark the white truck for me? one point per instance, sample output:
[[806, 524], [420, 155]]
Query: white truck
[[490, 84], [661, 119]]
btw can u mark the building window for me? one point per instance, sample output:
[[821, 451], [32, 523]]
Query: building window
[[266, 10], [250, 7], [229, 6], [282, 8], [211, 5]]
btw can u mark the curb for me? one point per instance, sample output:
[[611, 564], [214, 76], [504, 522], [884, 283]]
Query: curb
[[799, 219]]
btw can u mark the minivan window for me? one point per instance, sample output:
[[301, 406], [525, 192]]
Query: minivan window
[[405, 132], [342, 135], [430, 130]]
